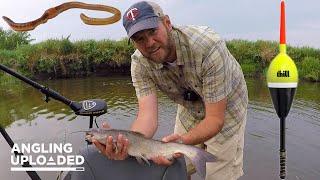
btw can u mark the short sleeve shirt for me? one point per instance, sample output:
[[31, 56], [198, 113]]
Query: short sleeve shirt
[[205, 66]]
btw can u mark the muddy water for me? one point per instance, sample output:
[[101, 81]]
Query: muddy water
[[27, 118]]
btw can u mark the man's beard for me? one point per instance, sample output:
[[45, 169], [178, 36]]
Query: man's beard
[[168, 48]]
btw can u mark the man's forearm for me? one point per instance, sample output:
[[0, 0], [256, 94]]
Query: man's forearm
[[203, 131], [147, 118], [146, 127]]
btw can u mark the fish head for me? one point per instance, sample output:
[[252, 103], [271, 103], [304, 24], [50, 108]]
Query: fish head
[[90, 134], [89, 137]]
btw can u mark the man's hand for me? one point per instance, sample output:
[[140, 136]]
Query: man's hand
[[161, 160], [115, 151]]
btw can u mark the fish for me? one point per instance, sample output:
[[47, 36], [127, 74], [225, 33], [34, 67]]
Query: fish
[[143, 148]]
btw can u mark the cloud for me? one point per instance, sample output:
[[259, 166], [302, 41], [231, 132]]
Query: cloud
[[247, 19]]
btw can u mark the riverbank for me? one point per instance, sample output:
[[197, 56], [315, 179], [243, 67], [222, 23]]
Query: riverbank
[[61, 58]]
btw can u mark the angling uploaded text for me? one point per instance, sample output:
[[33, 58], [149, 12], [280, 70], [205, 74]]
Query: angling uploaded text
[[45, 157]]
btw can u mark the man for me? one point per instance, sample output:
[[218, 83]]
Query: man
[[193, 66]]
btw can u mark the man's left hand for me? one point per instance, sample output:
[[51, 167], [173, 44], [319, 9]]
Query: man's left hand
[[161, 160]]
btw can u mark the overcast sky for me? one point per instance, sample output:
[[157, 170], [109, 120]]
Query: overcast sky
[[235, 19]]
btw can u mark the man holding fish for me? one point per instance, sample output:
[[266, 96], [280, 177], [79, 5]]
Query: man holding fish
[[194, 68]]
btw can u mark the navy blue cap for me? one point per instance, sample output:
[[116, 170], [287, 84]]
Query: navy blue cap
[[140, 16]]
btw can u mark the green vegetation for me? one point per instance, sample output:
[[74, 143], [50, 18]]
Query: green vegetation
[[255, 57], [10, 39], [60, 58]]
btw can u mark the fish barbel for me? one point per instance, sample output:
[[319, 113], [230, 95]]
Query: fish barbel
[[144, 148]]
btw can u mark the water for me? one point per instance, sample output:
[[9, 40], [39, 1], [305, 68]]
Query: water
[[27, 118]]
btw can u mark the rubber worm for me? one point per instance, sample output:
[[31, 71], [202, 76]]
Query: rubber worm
[[54, 11]]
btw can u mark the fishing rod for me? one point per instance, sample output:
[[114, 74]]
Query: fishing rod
[[91, 108], [282, 78], [32, 174]]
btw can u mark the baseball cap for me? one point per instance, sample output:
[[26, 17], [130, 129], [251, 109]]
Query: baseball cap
[[140, 16]]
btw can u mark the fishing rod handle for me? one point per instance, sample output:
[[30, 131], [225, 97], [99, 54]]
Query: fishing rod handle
[[282, 164]]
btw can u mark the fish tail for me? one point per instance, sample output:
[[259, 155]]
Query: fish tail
[[199, 159]]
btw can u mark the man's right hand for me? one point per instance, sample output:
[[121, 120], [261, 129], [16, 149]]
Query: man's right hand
[[115, 151]]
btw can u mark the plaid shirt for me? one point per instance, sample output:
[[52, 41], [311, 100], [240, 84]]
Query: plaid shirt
[[205, 66]]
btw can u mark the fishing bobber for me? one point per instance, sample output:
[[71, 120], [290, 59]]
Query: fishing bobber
[[282, 78]]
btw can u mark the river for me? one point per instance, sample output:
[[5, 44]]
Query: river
[[28, 119]]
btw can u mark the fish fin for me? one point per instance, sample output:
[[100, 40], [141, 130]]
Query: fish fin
[[169, 157], [140, 161], [146, 160], [141, 158], [200, 159]]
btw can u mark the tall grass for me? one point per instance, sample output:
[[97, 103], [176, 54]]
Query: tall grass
[[10, 39], [59, 58], [310, 68], [255, 57]]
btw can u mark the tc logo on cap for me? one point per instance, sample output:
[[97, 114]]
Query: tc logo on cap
[[132, 14]]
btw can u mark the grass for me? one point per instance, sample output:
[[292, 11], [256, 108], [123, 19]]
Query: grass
[[61, 58], [255, 57]]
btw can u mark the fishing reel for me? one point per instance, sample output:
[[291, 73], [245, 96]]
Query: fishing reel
[[92, 107]]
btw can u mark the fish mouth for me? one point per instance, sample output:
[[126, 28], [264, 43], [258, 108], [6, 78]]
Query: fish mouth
[[88, 137]]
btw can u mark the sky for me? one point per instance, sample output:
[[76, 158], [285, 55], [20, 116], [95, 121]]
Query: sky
[[236, 19]]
